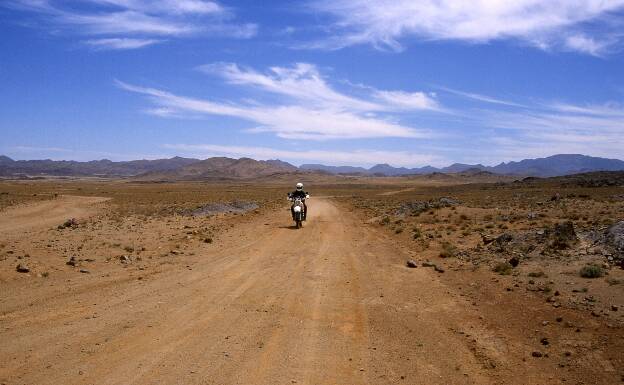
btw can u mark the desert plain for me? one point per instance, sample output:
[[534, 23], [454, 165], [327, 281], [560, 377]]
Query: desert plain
[[436, 279]]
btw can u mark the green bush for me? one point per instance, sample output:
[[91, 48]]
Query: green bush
[[448, 250], [592, 271], [503, 268]]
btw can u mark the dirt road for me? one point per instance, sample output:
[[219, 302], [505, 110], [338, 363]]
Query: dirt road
[[331, 303], [48, 213]]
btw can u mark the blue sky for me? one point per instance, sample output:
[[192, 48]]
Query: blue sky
[[354, 82]]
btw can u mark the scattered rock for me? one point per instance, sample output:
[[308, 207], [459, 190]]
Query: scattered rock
[[438, 269], [514, 261], [73, 223], [411, 263], [614, 308], [85, 271], [72, 261], [22, 268], [486, 239], [544, 341], [446, 202], [537, 354], [504, 238]]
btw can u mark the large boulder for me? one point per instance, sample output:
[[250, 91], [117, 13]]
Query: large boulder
[[615, 237]]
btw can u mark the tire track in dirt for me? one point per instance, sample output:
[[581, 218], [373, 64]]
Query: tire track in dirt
[[330, 303], [47, 213]]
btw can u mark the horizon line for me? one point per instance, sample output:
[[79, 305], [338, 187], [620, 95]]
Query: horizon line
[[155, 158]]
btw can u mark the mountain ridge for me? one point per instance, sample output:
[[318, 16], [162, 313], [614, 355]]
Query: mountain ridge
[[554, 165], [243, 168]]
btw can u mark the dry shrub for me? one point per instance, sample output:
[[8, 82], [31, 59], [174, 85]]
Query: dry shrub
[[448, 250], [591, 271], [503, 268]]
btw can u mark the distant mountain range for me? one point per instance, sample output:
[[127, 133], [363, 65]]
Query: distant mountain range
[[244, 168], [223, 168], [556, 165], [165, 169], [103, 167]]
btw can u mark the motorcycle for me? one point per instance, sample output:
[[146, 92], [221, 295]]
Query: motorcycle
[[298, 209]]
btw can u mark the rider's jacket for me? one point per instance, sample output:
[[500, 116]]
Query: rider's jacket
[[298, 194]]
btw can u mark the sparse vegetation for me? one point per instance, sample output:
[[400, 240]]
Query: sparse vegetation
[[448, 250], [591, 271], [503, 268], [158, 222]]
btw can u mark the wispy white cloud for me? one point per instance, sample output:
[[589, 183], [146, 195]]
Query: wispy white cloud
[[555, 128], [301, 81], [122, 24], [605, 110], [298, 102], [588, 45], [310, 109], [545, 24], [356, 157], [481, 98], [402, 100], [302, 104], [170, 6], [292, 122], [120, 43], [304, 82]]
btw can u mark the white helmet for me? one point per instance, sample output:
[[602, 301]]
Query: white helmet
[[299, 186]]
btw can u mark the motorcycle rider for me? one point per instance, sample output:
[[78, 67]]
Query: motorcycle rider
[[299, 193]]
